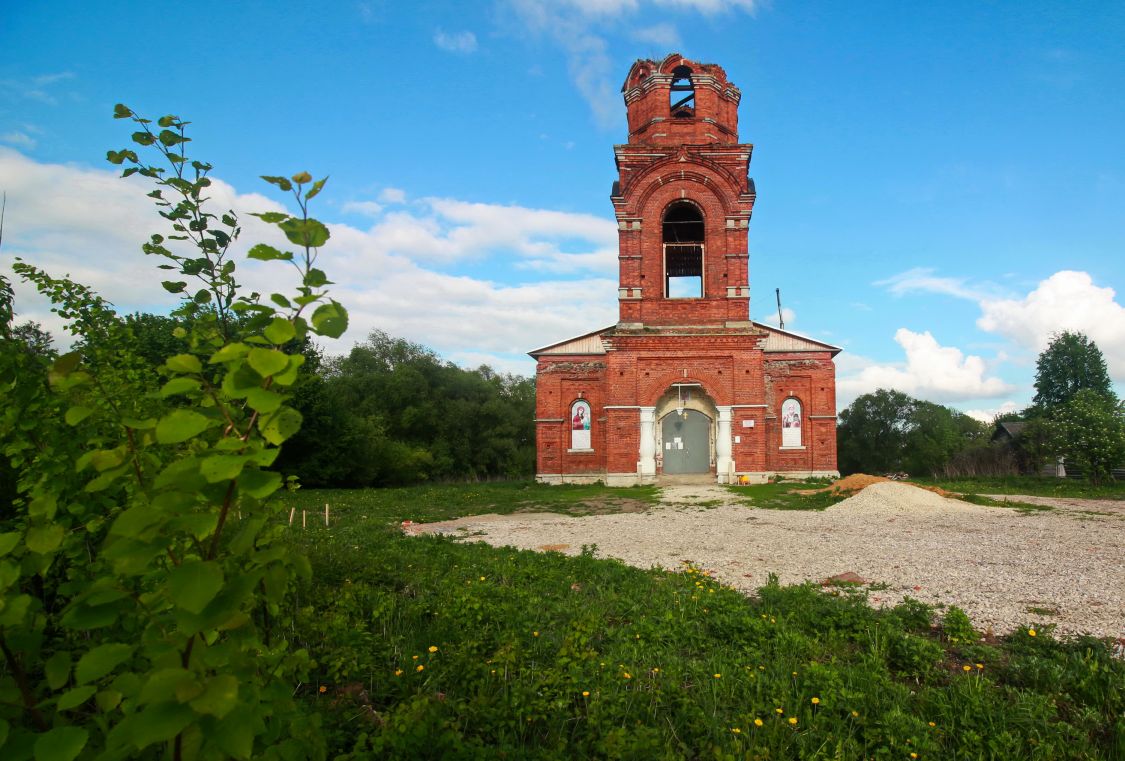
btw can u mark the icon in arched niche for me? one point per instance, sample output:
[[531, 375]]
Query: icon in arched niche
[[580, 425], [790, 423]]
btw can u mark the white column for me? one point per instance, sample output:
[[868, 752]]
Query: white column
[[723, 463], [647, 464]]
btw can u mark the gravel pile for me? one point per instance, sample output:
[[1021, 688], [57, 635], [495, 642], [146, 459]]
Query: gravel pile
[[1006, 569]]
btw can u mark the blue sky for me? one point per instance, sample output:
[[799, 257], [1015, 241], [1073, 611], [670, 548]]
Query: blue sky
[[940, 185]]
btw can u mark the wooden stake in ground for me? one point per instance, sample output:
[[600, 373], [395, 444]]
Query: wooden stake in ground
[[326, 515], [292, 512], [304, 518]]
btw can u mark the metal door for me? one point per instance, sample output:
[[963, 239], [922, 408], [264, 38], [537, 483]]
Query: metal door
[[686, 440]]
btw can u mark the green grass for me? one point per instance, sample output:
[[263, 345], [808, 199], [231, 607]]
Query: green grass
[[1025, 508], [672, 661], [448, 501], [1029, 485], [787, 496]]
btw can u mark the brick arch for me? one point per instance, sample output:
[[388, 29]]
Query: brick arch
[[719, 181], [715, 386]]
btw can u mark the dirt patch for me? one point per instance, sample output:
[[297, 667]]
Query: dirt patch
[[857, 482]]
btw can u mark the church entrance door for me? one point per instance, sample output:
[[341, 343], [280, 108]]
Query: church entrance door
[[687, 442]]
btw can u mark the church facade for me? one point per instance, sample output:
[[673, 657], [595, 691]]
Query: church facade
[[684, 382]]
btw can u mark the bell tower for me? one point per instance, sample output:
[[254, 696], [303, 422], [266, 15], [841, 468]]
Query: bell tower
[[682, 199]]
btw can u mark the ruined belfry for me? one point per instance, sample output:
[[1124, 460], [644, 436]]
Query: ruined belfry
[[685, 382]]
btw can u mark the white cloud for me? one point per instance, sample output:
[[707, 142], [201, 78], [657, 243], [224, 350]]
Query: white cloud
[[923, 279], [37, 87], [988, 415], [90, 223], [19, 139], [931, 371], [579, 28], [663, 35], [456, 42], [366, 208], [1067, 300], [787, 315], [392, 195]]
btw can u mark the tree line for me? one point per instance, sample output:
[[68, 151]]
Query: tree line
[[1075, 415]]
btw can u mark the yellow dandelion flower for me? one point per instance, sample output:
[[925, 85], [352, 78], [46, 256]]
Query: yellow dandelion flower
[[627, 675], [779, 711], [535, 634], [420, 667], [414, 657], [482, 578], [966, 667], [718, 676], [757, 722], [792, 719], [323, 689], [1031, 632], [914, 755], [736, 730], [815, 701], [585, 693], [398, 672], [855, 714], [761, 668], [433, 648], [932, 724], [980, 666]]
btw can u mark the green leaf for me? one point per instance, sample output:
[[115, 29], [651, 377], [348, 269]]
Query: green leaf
[[330, 320], [170, 138], [302, 177], [195, 583], [272, 217], [315, 189], [179, 386], [45, 539], [279, 426], [263, 400], [100, 661], [57, 669], [229, 352], [160, 722], [61, 744], [133, 522], [259, 483], [235, 736], [140, 137], [221, 467], [43, 506], [220, 696], [281, 182], [184, 363], [76, 697], [139, 425], [8, 542], [280, 330], [266, 362], [176, 286], [267, 253], [202, 296], [316, 278], [121, 111], [76, 415], [289, 376], [305, 232], [280, 300], [164, 684], [107, 700], [180, 425]]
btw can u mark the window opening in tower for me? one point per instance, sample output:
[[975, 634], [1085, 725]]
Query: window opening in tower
[[683, 251]]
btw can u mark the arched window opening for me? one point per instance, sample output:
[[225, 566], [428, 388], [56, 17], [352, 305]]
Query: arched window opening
[[682, 93], [683, 251], [580, 425], [790, 423]]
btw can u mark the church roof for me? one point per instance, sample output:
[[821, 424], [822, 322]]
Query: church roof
[[587, 343], [780, 340], [776, 341]]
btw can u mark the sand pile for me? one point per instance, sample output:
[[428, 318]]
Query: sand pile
[[857, 482]]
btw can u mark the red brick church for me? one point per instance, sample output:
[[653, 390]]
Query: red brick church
[[684, 382]]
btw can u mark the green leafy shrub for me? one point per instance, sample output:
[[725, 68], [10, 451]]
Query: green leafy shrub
[[144, 580]]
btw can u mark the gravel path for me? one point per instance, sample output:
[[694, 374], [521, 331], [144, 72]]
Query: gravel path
[[1004, 568]]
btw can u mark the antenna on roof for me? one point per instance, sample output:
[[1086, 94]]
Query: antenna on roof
[[780, 319]]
